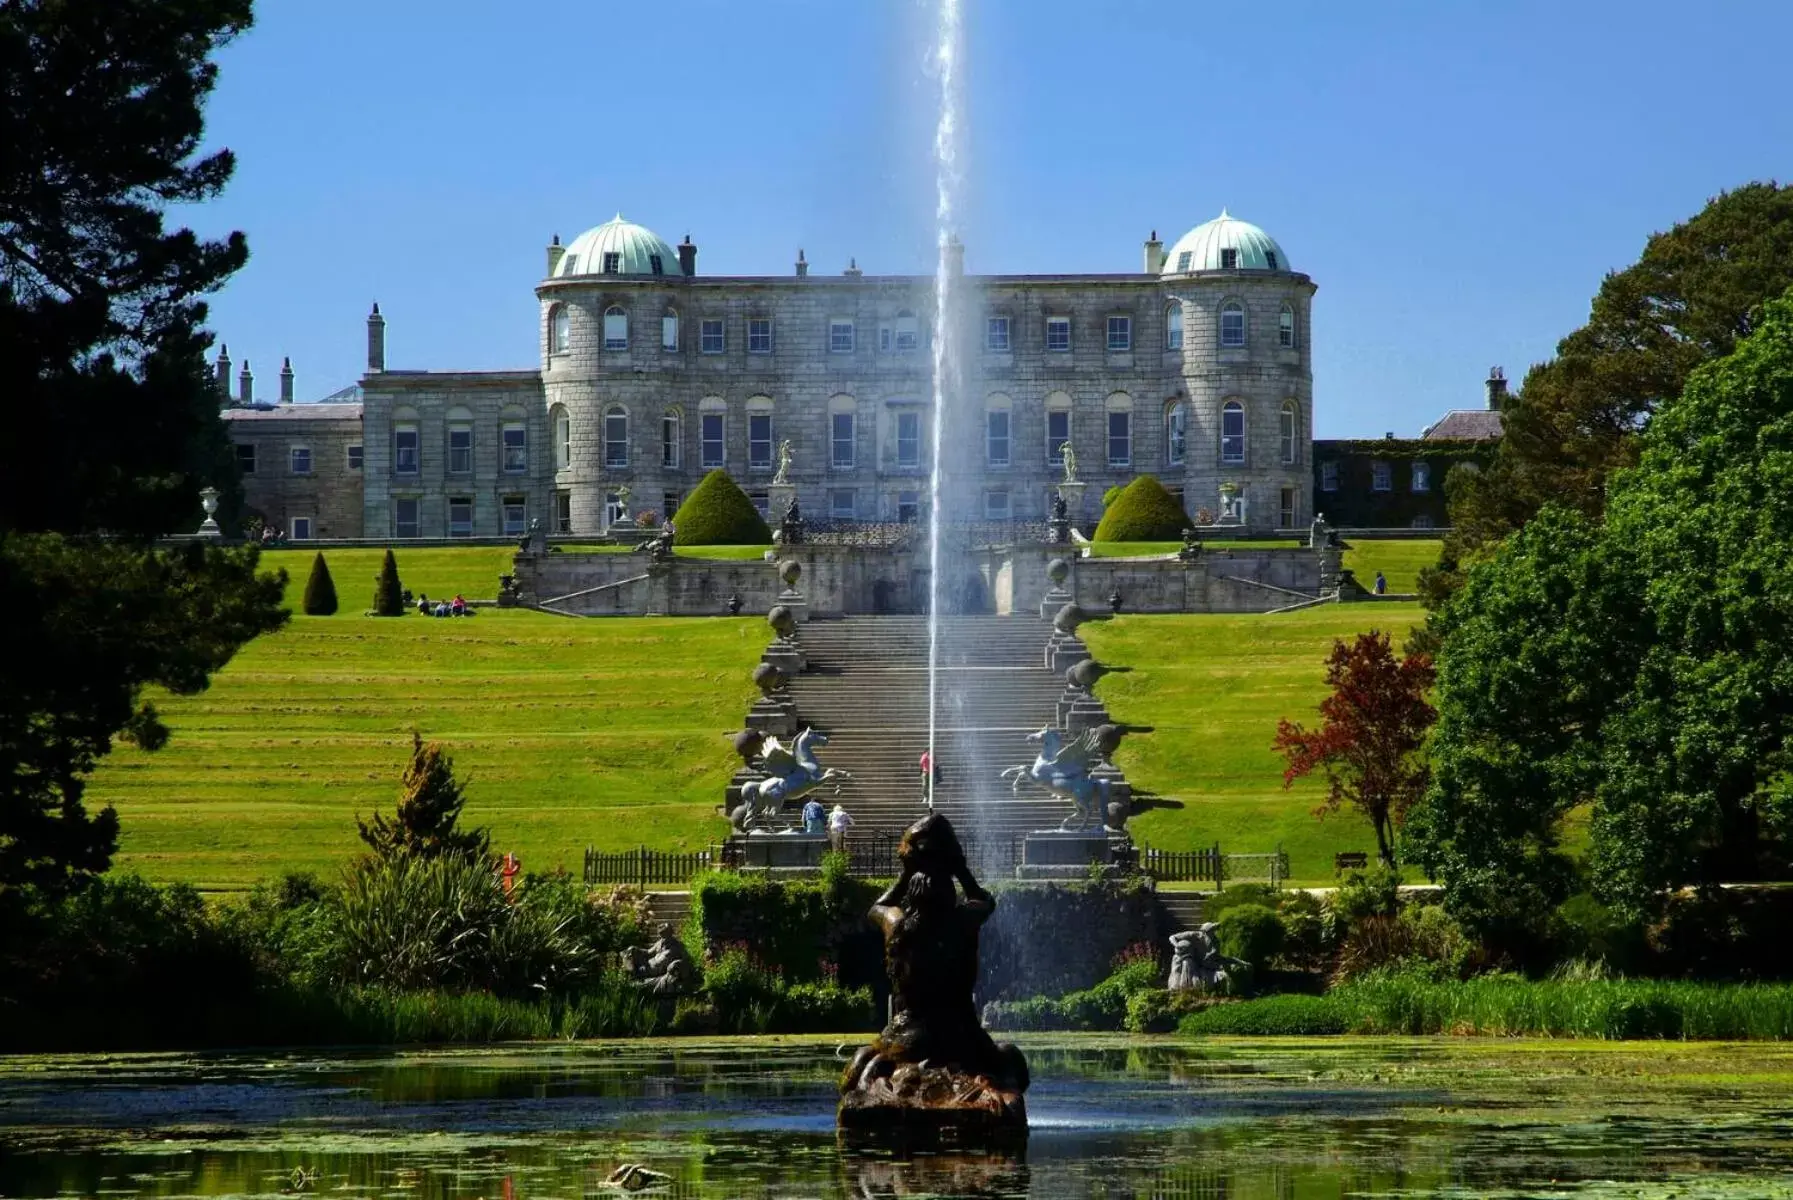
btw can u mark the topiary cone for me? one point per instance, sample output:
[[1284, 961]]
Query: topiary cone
[[1144, 512], [718, 513], [320, 590], [389, 598]]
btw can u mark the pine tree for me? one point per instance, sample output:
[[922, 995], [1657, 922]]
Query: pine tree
[[389, 597], [320, 590], [425, 822]]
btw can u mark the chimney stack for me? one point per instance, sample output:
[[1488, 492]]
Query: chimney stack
[[802, 266], [1154, 254], [286, 381], [556, 252], [246, 386], [222, 374], [376, 340], [955, 254], [1497, 389], [853, 270], [687, 257]]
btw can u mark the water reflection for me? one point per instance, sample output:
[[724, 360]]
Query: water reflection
[[730, 1119]]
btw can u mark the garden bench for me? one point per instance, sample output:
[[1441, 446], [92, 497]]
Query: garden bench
[[1350, 860]]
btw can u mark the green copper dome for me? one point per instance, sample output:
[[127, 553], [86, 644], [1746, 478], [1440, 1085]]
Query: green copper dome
[[1225, 244], [618, 247]]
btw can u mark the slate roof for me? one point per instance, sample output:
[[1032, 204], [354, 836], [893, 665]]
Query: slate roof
[[1466, 425], [294, 412]]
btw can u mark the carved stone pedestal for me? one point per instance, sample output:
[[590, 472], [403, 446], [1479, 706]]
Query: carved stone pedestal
[[887, 1100]]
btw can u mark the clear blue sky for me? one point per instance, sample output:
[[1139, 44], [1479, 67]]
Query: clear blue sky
[[1455, 176]]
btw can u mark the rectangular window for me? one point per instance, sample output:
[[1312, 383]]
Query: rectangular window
[[908, 439], [1285, 328], [516, 447], [712, 439], [996, 504], [996, 437], [354, 458], [1120, 439], [404, 517], [907, 336], [616, 439], [759, 440], [884, 335], [1232, 326], [996, 335], [762, 502], [563, 512], [841, 504], [908, 507], [669, 504], [460, 449], [840, 337], [669, 440], [759, 335], [1381, 477], [1422, 477], [460, 516], [300, 458], [404, 450], [1229, 259], [516, 514], [669, 332], [709, 337], [1183, 260], [1120, 334], [1285, 514], [1329, 477], [613, 262], [613, 509], [246, 457], [1058, 434], [841, 439], [301, 529], [1058, 334]]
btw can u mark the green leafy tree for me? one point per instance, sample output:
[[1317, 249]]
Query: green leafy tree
[[1694, 293], [1143, 512], [719, 513], [320, 589], [110, 418], [1371, 744], [426, 821], [389, 594]]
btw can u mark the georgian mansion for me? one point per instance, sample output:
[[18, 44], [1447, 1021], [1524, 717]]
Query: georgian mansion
[[1196, 369]]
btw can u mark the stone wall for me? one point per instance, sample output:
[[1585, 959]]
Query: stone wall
[[329, 494]]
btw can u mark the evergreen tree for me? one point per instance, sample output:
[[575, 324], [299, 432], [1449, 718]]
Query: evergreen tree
[[1143, 512], [719, 513], [320, 590], [425, 824], [389, 597]]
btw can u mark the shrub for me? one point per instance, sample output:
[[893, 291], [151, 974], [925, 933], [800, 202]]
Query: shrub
[[718, 513], [1372, 893], [320, 590], [425, 822], [1157, 1010], [1112, 494], [389, 595], [1301, 1016], [1309, 933], [1103, 1007], [1249, 932], [1261, 894], [1144, 512]]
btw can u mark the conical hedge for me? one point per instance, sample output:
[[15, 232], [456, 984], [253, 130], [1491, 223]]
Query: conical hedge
[[1144, 512], [389, 597], [718, 513], [320, 590]]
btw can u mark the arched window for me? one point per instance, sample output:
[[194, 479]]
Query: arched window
[[1285, 328], [563, 438], [1058, 428], [669, 330], [712, 427], [1119, 413], [1232, 324], [1286, 431], [672, 426], [1232, 432], [561, 330], [616, 328], [1173, 326], [998, 427], [1176, 432], [759, 433], [616, 436]]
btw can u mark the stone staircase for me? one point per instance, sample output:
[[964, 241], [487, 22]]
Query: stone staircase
[[866, 688]]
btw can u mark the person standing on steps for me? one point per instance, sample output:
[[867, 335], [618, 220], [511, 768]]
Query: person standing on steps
[[815, 817], [838, 824], [930, 774]]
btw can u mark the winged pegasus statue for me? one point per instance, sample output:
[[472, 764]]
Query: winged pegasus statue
[[792, 772], [1063, 768]]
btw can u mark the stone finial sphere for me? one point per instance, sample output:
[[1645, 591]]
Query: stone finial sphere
[[782, 620], [790, 570], [747, 743], [769, 679], [1058, 570], [1085, 674], [1069, 618]]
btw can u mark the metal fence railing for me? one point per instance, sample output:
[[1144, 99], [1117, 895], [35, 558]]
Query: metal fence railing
[[644, 866]]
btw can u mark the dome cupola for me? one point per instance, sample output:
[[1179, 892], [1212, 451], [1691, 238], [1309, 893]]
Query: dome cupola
[[1225, 244], [618, 247]]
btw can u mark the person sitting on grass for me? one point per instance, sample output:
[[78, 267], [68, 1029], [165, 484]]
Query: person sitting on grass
[[423, 604], [460, 605]]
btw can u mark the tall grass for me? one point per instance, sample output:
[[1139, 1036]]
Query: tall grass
[[1498, 1006]]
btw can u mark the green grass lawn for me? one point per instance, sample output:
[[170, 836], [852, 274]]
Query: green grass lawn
[[1399, 561], [567, 732], [1212, 688], [1137, 549]]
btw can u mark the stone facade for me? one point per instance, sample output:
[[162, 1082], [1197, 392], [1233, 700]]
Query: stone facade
[[301, 466]]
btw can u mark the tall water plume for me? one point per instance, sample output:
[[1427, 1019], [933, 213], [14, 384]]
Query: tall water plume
[[948, 134]]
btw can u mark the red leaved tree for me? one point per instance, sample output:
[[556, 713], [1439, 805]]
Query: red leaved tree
[[1371, 744]]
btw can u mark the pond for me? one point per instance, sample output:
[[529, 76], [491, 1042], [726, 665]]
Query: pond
[[1112, 1117]]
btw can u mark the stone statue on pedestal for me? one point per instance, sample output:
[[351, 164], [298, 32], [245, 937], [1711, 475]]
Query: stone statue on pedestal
[[934, 1070]]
